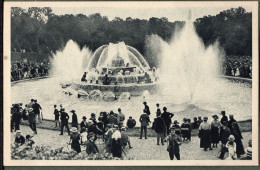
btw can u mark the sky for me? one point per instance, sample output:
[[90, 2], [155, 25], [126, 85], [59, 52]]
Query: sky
[[172, 13]]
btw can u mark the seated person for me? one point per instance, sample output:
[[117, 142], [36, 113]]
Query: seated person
[[19, 139], [124, 137], [29, 142], [131, 122]]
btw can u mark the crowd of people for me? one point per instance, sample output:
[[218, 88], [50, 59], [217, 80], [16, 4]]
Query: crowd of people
[[110, 129], [24, 69], [238, 66]]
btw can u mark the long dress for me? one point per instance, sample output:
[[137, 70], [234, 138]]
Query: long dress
[[75, 137], [237, 134], [116, 148], [204, 134], [214, 132]]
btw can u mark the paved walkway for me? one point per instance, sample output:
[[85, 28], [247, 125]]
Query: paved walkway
[[145, 149]]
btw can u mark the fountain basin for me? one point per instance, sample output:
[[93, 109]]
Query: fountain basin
[[133, 88]]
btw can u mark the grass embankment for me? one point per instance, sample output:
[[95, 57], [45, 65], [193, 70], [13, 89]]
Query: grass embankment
[[245, 126]]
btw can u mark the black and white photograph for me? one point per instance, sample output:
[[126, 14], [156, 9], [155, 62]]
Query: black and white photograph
[[131, 83]]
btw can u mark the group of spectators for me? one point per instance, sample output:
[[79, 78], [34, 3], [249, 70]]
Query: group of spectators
[[24, 69], [109, 127], [238, 66]]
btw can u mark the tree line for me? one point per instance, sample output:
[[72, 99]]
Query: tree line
[[40, 30]]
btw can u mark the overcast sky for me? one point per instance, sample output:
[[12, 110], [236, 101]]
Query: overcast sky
[[172, 13]]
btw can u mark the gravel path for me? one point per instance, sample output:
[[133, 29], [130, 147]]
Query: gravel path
[[143, 149]]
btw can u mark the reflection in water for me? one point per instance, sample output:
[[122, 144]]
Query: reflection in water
[[235, 98]]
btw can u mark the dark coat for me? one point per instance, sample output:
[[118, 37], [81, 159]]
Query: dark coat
[[75, 142], [116, 148], [144, 119], [224, 134], [238, 139], [159, 125], [113, 120], [36, 108], [147, 109], [57, 114], [74, 122], [82, 124], [31, 117], [64, 117], [20, 140], [224, 118], [167, 117], [173, 143], [131, 123], [91, 147]]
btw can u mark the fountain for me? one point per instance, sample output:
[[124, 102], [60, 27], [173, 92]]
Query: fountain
[[117, 68]]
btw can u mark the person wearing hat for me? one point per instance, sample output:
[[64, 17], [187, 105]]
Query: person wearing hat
[[112, 119], [57, 116], [91, 147], [16, 117], [144, 120], [159, 128], [231, 146], [177, 128], [131, 122], [186, 130], [214, 132], [93, 128], [74, 139], [199, 121], [37, 110], [74, 122], [195, 123], [166, 116], [147, 109], [125, 138], [158, 110], [224, 135], [204, 134], [83, 123], [64, 121], [224, 117], [173, 143], [248, 151], [93, 118], [19, 139]]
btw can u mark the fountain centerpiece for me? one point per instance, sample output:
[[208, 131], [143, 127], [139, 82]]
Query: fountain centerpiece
[[118, 68]]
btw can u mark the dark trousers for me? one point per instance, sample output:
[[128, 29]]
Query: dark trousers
[[223, 151], [66, 125], [143, 128], [17, 125], [159, 136], [167, 130], [176, 154], [12, 125], [33, 127]]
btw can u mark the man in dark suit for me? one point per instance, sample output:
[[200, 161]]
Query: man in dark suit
[[64, 121], [146, 107], [112, 119], [37, 110], [83, 124], [167, 119], [159, 127], [158, 111], [145, 120]]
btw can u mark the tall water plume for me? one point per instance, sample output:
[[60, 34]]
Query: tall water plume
[[70, 63], [188, 69]]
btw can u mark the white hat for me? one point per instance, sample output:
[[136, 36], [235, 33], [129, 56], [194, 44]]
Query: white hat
[[74, 129]]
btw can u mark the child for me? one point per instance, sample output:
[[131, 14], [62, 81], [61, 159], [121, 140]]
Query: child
[[231, 146], [84, 136], [29, 142]]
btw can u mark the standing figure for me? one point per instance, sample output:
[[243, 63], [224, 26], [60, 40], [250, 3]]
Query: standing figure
[[74, 139], [159, 127], [83, 124], [224, 135], [177, 128], [32, 120], [64, 121], [57, 116], [214, 132], [112, 119], [37, 110], [185, 129], [204, 134], [224, 117], [16, 117], [145, 120], [174, 141], [121, 118], [158, 110], [238, 139], [167, 119], [147, 109], [74, 122]]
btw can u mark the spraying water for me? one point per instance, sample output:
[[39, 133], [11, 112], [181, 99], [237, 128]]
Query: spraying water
[[188, 70], [70, 63]]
